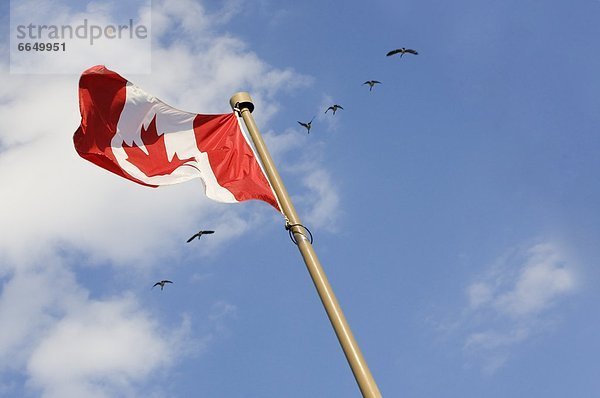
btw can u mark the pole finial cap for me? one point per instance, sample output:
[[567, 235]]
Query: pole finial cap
[[241, 100]]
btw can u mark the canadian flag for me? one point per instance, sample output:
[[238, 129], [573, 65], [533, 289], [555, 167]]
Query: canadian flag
[[137, 136]]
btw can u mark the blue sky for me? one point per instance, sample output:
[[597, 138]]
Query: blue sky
[[455, 208]]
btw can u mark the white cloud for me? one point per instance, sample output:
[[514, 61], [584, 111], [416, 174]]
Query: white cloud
[[31, 300], [68, 345], [189, 15], [542, 280], [517, 299], [63, 342], [98, 350], [51, 196]]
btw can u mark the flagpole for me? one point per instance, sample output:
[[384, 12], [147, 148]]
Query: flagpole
[[242, 103]]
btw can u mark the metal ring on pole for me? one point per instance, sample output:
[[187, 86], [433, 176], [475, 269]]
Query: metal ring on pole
[[293, 238]]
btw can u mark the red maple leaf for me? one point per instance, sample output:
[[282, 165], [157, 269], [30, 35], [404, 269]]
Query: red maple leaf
[[156, 161]]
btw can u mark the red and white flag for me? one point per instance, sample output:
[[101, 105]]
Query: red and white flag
[[137, 136]]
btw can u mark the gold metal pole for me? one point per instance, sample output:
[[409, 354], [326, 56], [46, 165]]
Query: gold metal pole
[[242, 103]]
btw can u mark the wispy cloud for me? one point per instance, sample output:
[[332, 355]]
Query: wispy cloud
[[319, 200], [517, 299], [322, 199], [331, 121], [221, 313]]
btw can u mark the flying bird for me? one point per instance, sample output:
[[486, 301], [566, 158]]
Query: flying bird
[[334, 108], [402, 51], [199, 234], [371, 83], [307, 125], [161, 284]]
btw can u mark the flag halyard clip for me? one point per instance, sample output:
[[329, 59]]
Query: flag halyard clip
[[289, 227]]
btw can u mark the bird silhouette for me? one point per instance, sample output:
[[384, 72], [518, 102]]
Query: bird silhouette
[[307, 125], [371, 83], [161, 284], [334, 108], [199, 234], [402, 51]]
